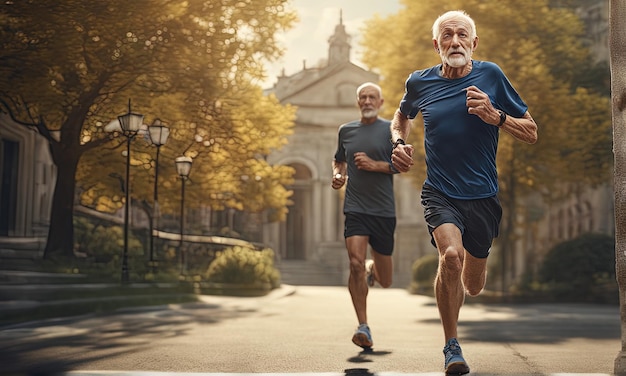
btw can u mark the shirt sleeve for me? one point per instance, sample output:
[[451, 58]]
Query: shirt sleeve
[[407, 104], [340, 154], [508, 99]]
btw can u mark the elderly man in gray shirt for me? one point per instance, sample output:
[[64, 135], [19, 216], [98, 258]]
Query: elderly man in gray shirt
[[363, 160]]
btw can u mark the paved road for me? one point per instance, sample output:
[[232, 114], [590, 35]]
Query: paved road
[[307, 330]]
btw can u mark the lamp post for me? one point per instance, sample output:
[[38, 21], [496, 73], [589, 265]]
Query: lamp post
[[130, 124], [183, 166], [158, 136]]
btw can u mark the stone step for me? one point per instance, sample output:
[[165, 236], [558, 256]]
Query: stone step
[[30, 277], [308, 273]]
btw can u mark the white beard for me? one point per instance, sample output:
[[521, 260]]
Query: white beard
[[456, 61], [368, 114]]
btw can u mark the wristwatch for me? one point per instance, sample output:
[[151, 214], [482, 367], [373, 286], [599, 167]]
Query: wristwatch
[[502, 118], [398, 142]]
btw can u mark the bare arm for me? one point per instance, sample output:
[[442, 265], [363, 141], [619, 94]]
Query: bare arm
[[363, 162], [402, 155], [400, 126], [523, 129]]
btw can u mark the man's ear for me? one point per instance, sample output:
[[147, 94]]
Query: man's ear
[[475, 44], [436, 45]]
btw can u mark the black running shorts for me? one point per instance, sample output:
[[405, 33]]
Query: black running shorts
[[478, 220], [379, 229]]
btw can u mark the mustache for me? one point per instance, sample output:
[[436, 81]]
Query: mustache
[[456, 50]]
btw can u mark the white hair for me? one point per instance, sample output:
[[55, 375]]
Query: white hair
[[369, 84], [454, 15]]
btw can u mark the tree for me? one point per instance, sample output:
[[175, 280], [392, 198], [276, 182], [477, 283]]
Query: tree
[[71, 66], [541, 51]]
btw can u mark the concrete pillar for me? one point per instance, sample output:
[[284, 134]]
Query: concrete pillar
[[617, 46]]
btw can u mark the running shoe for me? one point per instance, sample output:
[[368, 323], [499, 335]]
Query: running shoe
[[363, 337], [369, 272], [454, 362]]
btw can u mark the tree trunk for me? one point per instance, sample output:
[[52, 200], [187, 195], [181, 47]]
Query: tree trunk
[[60, 242], [617, 44]]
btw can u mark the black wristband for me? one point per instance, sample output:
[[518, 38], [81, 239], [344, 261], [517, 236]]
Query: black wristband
[[398, 142], [502, 118]]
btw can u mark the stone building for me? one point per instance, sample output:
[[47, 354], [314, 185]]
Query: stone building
[[27, 179]]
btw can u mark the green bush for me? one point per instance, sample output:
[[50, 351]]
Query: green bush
[[582, 269], [103, 243], [424, 271], [245, 266], [100, 247]]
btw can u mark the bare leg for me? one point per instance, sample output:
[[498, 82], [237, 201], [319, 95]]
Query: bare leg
[[383, 269], [448, 286], [474, 274], [357, 251], [459, 273]]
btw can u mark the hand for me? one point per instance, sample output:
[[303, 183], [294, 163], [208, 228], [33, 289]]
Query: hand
[[363, 162], [338, 181], [402, 157], [479, 104]]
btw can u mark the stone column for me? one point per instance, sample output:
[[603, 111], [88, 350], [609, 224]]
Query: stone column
[[617, 45], [329, 217]]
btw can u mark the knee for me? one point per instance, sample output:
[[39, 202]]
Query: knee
[[474, 286], [357, 267], [473, 290], [451, 261], [385, 282]]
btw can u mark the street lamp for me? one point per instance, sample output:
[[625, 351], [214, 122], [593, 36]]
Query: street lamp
[[130, 124], [183, 166], [158, 136]]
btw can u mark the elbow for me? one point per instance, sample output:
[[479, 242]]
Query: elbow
[[401, 116]]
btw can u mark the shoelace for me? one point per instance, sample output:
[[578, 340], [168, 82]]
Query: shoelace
[[452, 350]]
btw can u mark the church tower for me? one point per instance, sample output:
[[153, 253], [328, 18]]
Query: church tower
[[339, 51]]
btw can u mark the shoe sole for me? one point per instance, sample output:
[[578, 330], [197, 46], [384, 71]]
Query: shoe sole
[[459, 368], [361, 340]]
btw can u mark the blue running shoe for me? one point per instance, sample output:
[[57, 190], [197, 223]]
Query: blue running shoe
[[454, 362], [363, 337]]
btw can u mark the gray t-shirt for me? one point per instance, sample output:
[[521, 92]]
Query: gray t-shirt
[[367, 192]]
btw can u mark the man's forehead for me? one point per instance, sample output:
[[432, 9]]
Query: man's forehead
[[455, 23]]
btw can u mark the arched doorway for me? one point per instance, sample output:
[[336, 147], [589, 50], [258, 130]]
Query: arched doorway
[[296, 231]]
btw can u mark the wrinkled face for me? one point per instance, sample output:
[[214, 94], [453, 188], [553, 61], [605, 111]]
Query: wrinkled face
[[369, 101], [455, 43]]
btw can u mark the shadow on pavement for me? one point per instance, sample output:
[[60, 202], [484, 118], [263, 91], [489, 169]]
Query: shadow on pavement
[[20, 345], [538, 323]]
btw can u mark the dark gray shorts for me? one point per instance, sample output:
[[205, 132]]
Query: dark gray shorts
[[478, 220], [379, 229]]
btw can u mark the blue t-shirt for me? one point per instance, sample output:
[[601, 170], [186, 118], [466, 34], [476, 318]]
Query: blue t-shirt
[[367, 192], [460, 147]]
